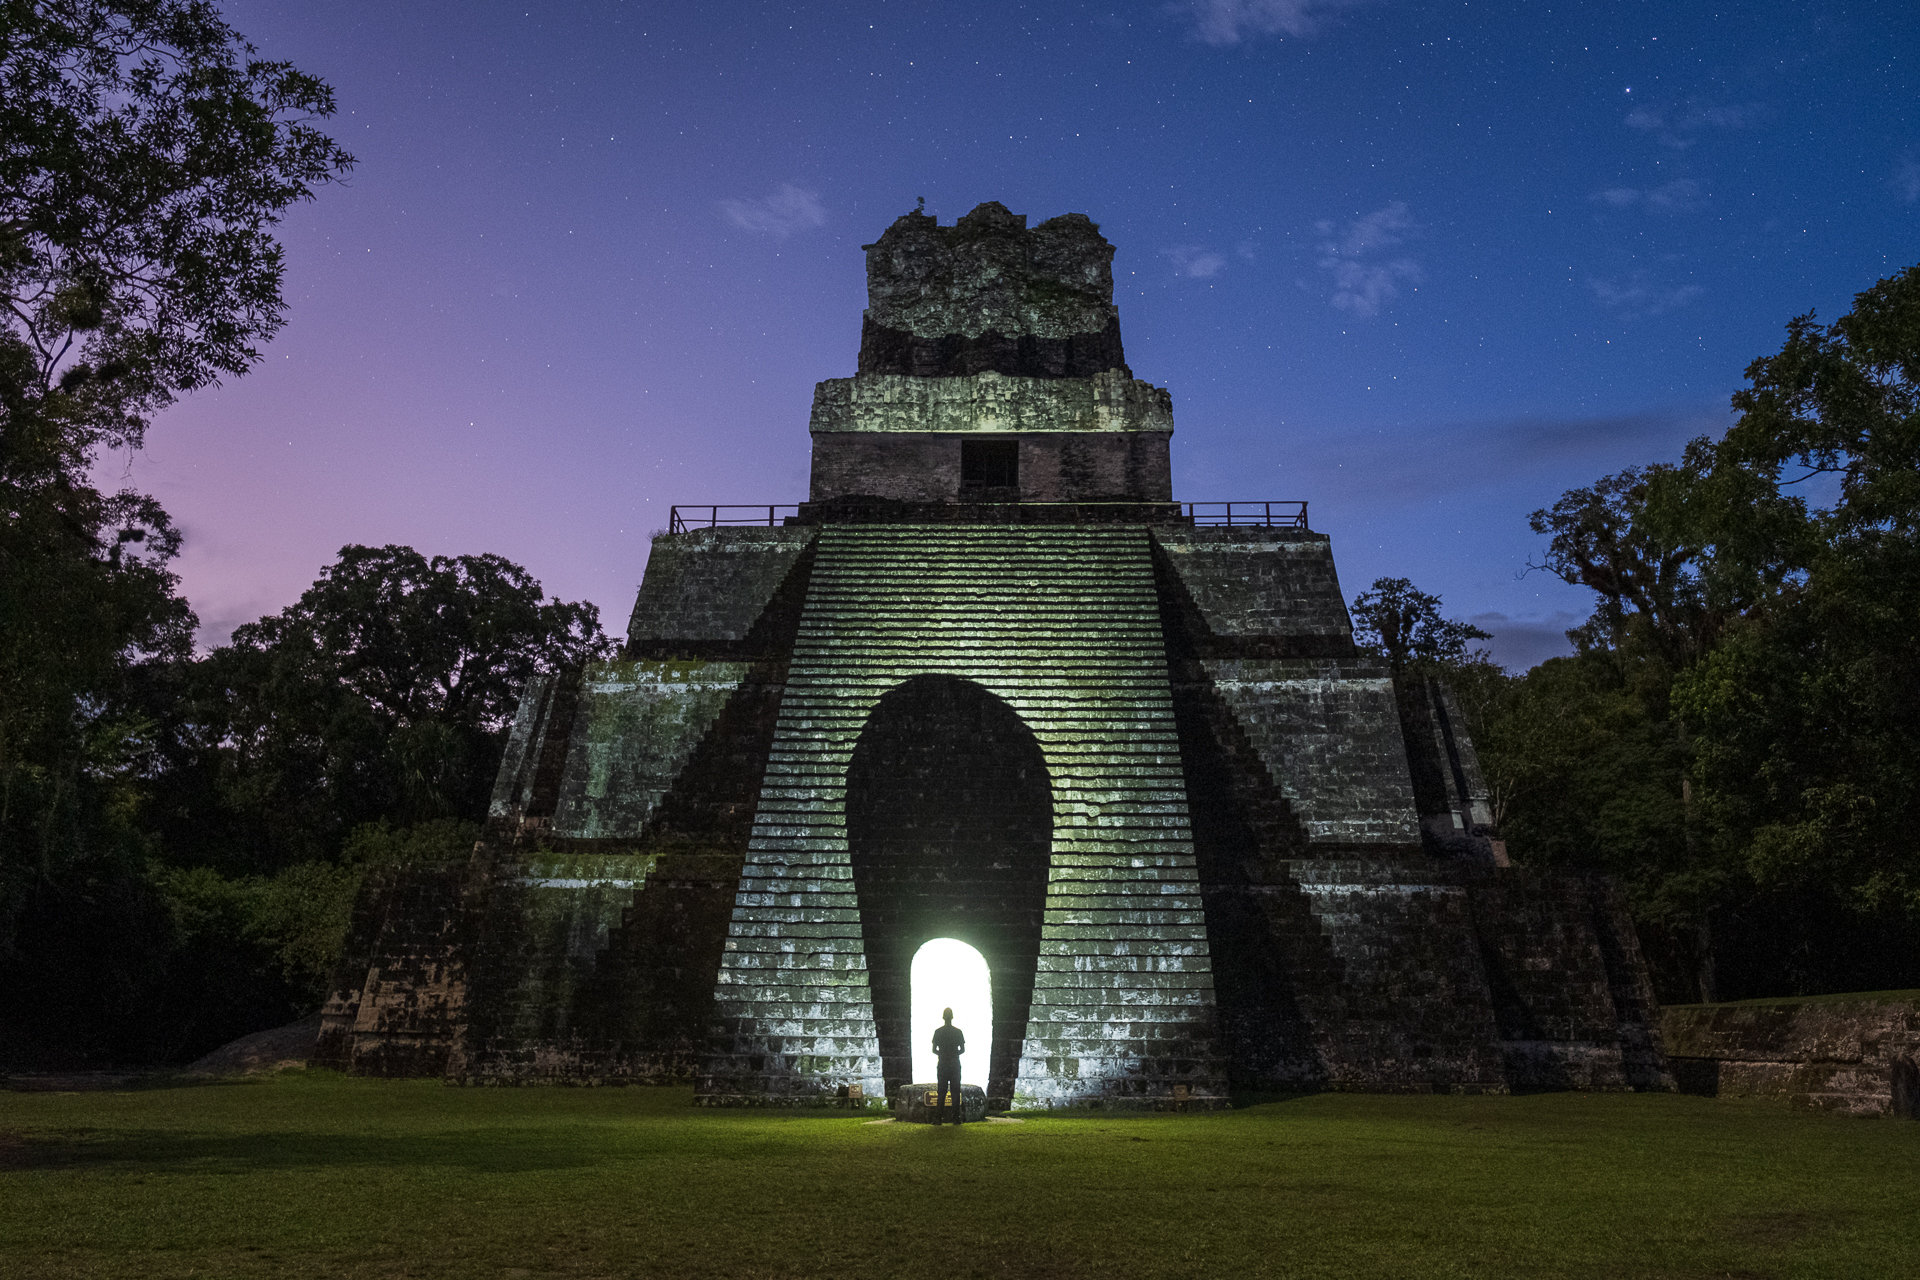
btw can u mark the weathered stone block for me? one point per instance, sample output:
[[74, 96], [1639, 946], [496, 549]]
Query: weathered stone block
[[1854, 1055]]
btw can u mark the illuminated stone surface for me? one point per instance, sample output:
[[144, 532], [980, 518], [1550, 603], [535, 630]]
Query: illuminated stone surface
[[989, 294], [1108, 401], [1062, 625], [992, 685]]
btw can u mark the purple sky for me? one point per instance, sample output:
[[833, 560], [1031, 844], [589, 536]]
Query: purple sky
[[1425, 265]]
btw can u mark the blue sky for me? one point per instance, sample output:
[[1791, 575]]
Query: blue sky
[[1425, 266]]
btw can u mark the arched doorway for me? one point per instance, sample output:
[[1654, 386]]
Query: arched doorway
[[949, 829], [949, 974]]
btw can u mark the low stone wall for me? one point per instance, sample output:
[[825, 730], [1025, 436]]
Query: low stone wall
[[1857, 1055]]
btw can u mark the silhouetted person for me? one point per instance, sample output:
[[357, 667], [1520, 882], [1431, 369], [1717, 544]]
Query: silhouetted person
[[948, 1044]]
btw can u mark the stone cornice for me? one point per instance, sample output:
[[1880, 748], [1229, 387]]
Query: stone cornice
[[990, 402]]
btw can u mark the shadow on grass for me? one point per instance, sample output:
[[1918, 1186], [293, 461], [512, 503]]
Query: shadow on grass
[[123, 1081], [504, 1150]]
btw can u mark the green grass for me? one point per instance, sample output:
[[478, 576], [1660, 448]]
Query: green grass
[[320, 1175]]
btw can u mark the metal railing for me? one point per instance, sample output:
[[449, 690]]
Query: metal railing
[[1271, 515], [770, 515]]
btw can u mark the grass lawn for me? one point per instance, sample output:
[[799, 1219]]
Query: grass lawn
[[321, 1175]]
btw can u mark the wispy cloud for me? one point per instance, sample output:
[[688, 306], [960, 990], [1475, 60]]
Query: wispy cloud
[[1195, 261], [1680, 127], [1364, 278], [786, 211], [1520, 644], [1906, 176], [1676, 196], [1639, 294], [1224, 22], [1537, 455]]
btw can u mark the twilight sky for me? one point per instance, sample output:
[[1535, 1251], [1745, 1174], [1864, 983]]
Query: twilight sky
[[1424, 265]]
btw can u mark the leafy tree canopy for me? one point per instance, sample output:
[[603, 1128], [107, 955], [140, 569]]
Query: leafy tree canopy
[[383, 692], [1648, 586], [1394, 620], [1740, 736], [145, 155], [1843, 401], [414, 638]]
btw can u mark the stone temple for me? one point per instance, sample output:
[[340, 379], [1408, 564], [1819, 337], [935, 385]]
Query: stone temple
[[992, 682]]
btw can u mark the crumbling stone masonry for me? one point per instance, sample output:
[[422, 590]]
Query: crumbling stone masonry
[[991, 682], [1853, 1055]]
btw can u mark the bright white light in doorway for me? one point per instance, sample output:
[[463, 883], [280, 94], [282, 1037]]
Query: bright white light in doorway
[[949, 973]]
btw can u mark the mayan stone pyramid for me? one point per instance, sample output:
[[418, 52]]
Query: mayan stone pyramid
[[992, 683]]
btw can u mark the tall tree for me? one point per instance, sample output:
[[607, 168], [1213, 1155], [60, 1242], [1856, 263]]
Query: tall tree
[[1808, 716], [145, 156], [1396, 621], [1752, 642], [383, 693], [1648, 585]]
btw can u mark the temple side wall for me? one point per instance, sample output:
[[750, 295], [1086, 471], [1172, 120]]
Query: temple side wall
[[600, 894], [712, 587], [637, 724], [1329, 736], [1237, 583], [544, 923], [398, 998], [1263, 648], [1427, 975]]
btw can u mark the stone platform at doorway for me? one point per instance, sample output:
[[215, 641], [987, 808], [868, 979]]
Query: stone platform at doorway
[[913, 1103]]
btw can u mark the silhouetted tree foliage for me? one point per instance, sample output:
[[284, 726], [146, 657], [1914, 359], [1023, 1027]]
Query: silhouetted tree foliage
[[1394, 620], [145, 155], [1649, 587], [361, 725], [383, 693]]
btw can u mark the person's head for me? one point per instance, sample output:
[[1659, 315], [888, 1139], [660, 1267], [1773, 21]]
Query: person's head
[[947, 1015]]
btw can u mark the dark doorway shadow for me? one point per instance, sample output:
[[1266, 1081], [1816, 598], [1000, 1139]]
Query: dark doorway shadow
[[949, 829]]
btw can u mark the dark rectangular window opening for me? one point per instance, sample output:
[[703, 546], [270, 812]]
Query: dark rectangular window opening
[[989, 464]]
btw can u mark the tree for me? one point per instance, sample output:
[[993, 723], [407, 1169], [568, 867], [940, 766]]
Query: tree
[[1844, 402], [1808, 716], [383, 693], [1649, 586], [76, 618], [1752, 641], [1395, 621], [145, 156]]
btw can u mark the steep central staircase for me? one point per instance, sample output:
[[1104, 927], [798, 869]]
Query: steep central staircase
[[1062, 624]]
